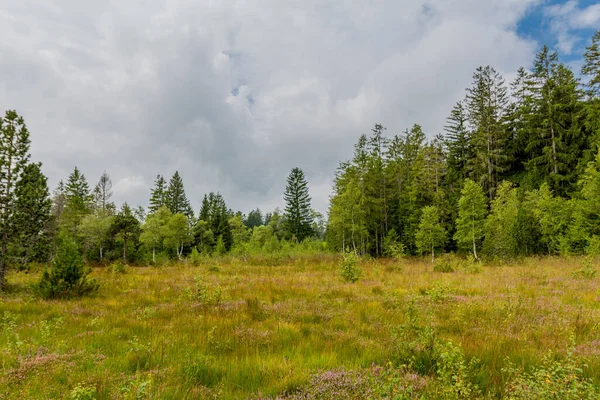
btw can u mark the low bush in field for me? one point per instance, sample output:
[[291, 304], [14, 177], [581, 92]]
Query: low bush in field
[[552, 380], [68, 276], [349, 269]]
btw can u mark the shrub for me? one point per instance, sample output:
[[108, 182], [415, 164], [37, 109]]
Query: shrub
[[68, 275], [443, 265], [81, 392], [349, 270], [587, 270], [195, 258], [118, 267], [207, 294], [553, 380]]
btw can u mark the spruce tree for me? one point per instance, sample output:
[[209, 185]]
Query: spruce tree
[[14, 156], [32, 209], [458, 143], [78, 201], [297, 210], [158, 195], [486, 105], [554, 145], [253, 219], [591, 66], [176, 200], [126, 227], [103, 193]]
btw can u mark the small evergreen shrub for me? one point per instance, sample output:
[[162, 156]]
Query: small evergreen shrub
[[443, 264], [67, 276], [349, 270], [195, 258]]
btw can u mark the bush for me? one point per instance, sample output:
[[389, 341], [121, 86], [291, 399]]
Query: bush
[[118, 267], [348, 269], [587, 270], [195, 258], [443, 265], [553, 380], [68, 275], [207, 294]]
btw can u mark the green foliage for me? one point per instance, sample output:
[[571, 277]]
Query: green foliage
[[431, 234], [554, 379], [83, 392], [207, 294], [350, 271], [587, 270], [68, 277], [175, 198], [298, 218], [118, 267], [502, 224], [220, 248], [472, 210]]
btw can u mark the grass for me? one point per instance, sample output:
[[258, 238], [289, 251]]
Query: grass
[[246, 329]]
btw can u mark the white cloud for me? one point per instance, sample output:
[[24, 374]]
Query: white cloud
[[234, 94], [568, 18]]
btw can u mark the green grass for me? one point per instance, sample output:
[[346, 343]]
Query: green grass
[[147, 333]]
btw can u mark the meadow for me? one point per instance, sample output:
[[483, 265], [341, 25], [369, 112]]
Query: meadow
[[292, 327]]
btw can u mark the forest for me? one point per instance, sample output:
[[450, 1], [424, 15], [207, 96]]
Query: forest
[[490, 229]]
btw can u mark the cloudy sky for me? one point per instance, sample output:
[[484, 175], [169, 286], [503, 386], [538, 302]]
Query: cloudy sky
[[234, 94]]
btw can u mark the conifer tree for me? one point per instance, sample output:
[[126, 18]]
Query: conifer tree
[[176, 200], [253, 219], [458, 143], [472, 210], [486, 105], [554, 145], [103, 193], [14, 156], [78, 201], [125, 226], [297, 209], [31, 213], [591, 66], [158, 195]]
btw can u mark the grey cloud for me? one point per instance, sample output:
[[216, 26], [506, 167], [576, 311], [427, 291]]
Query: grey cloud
[[234, 94]]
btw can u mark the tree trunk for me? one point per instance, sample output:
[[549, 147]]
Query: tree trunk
[[432, 254], [154, 254]]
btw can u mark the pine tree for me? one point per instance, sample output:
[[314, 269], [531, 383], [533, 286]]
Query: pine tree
[[31, 211], [253, 219], [458, 142], [591, 66], [14, 156], [103, 193], [486, 105], [554, 145], [78, 201], [158, 196], [430, 234], [472, 210], [297, 209], [125, 226], [68, 275], [176, 200]]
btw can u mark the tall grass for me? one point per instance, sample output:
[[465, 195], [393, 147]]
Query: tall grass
[[263, 326]]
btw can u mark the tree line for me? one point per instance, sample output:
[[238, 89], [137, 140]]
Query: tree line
[[80, 223], [515, 172]]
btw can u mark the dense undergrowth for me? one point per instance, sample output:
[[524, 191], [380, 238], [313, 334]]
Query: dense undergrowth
[[291, 327]]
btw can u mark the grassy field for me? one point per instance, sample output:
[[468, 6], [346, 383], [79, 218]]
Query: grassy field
[[231, 330]]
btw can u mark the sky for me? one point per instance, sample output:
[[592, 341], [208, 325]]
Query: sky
[[234, 94]]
